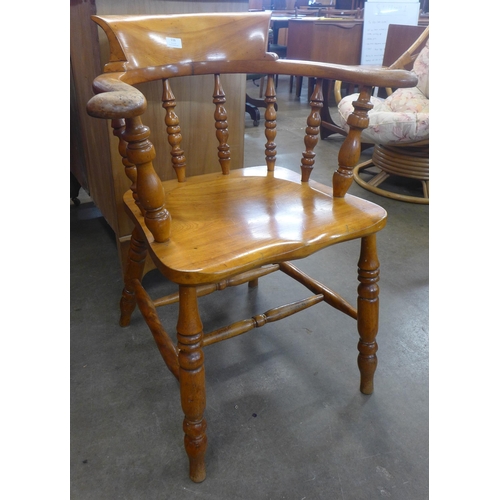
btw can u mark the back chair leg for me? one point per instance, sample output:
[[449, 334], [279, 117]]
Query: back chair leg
[[368, 310], [192, 381], [135, 267]]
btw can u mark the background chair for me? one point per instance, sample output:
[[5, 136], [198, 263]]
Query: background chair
[[399, 129], [252, 105], [217, 230]]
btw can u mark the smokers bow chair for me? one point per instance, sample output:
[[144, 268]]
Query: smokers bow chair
[[215, 230], [399, 129]]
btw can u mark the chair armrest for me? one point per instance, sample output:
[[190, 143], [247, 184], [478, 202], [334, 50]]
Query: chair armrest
[[115, 99], [371, 76]]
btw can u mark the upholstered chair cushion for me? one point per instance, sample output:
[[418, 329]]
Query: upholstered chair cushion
[[421, 69], [403, 116]]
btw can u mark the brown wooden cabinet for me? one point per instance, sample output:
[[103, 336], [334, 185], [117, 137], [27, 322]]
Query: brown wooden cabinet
[[333, 41], [95, 161], [325, 41]]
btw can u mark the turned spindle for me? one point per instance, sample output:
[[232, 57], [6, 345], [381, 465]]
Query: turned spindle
[[312, 131], [270, 125], [173, 132], [141, 153], [221, 127], [350, 150]]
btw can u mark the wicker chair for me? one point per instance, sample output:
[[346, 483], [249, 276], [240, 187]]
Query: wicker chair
[[399, 128]]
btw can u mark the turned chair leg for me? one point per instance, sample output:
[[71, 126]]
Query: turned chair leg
[[368, 308], [253, 283], [135, 267], [192, 381]]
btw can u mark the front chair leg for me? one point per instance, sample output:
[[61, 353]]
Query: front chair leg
[[192, 381], [368, 291], [135, 267]]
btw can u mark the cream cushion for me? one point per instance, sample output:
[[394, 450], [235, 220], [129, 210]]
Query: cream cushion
[[403, 116]]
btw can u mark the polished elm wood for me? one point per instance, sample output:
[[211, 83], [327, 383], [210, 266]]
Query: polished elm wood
[[212, 231]]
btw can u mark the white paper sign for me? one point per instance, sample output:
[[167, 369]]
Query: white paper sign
[[377, 17], [174, 43]]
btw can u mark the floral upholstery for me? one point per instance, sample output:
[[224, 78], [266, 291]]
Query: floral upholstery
[[402, 117]]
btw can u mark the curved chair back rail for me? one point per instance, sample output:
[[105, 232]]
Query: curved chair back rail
[[117, 98], [158, 47]]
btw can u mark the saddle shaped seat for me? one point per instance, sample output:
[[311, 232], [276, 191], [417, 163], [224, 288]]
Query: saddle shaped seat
[[215, 230], [218, 230]]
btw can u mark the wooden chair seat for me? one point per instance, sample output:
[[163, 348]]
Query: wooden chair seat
[[211, 231], [218, 230]]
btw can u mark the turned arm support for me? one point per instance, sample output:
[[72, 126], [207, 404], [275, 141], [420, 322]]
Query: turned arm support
[[350, 150], [117, 100]]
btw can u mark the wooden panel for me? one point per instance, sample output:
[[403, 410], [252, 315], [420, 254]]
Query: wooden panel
[[399, 38], [90, 134], [338, 43], [77, 162], [255, 4], [300, 39], [335, 42]]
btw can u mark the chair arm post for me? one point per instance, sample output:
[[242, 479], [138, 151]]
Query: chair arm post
[[351, 148], [141, 153], [118, 125]]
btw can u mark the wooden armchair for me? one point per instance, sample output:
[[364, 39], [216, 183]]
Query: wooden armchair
[[212, 231]]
